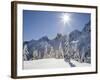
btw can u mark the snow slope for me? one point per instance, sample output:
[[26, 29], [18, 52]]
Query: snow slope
[[51, 63], [78, 64]]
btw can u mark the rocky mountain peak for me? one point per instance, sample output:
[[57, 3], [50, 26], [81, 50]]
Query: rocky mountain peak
[[45, 38], [59, 36], [74, 35]]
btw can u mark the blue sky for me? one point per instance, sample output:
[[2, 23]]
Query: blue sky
[[37, 24]]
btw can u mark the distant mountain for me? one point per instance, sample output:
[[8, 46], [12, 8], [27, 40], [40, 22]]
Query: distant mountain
[[74, 35], [87, 28], [45, 38], [76, 45]]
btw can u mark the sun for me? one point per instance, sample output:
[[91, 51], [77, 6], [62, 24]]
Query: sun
[[65, 18]]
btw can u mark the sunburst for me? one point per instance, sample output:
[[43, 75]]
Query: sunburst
[[65, 18]]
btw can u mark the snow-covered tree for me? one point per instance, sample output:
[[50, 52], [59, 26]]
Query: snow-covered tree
[[45, 51], [35, 54], [60, 52], [52, 53], [67, 50], [25, 53]]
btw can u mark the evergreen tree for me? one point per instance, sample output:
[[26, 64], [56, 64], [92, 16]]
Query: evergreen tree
[[26, 53]]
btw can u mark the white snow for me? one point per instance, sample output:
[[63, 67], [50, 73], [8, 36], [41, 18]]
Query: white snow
[[75, 41], [45, 63], [50, 64], [78, 64]]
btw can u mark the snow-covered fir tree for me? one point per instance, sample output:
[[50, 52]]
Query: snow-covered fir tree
[[25, 53], [52, 53], [60, 52], [45, 51], [67, 50], [35, 54]]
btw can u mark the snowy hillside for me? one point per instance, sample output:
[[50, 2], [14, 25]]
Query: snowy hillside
[[52, 63]]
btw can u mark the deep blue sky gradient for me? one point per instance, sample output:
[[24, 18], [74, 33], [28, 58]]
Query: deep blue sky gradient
[[37, 24]]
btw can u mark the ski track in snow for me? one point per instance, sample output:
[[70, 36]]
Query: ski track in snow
[[51, 64]]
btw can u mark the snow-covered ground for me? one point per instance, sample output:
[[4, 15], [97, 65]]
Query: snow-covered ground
[[78, 64], [51, 63]]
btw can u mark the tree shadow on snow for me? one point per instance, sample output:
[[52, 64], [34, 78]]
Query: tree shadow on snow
[[71, 64]]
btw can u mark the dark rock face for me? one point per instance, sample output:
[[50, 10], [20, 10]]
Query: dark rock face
[[76, 45]]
